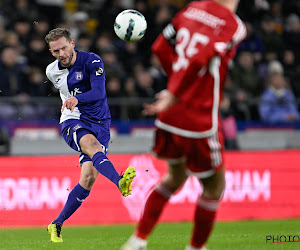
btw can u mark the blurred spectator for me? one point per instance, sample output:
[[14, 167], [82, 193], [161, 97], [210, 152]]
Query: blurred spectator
[[37, 53], [11, 39], [252, 10], [22, 27], [158, 74], [238, 100], [275, 67], [130, 92], [127, 4], [35, 82], [162, 13], [78, 24], [83, 42], [102, 43], [292, 72], [130, 88], [143, 7], [145, 43], [290, 6], [11, 73], [273, 28], [51, 9], [107, 16], [112, 65], [271, 40], [252, 43], [41, 27], [278, 103], [104, 47], [130, 56], [145, 84], [113, 89], [245, 75], [23, 8], [291, 35], [276, 14], [229, 125]]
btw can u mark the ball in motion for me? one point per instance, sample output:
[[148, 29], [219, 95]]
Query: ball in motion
[[130, 25]]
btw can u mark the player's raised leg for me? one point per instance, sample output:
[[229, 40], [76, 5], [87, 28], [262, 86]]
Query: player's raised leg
[[78, 194], [93, 148], [155, 204]]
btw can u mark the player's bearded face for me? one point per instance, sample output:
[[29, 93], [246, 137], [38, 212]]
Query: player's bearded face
[[63, 51], [66, 59]]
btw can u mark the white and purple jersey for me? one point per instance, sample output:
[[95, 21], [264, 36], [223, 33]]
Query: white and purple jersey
[[85, 80]]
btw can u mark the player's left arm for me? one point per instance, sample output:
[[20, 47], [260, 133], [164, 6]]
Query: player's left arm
[[164, 45]]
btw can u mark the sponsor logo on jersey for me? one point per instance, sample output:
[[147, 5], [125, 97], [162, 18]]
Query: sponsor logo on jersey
[[96, 61], [75, 92], [78, 76], [99, 71], [76, 127]]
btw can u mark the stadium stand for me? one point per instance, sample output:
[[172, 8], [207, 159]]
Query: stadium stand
[[133, 74]]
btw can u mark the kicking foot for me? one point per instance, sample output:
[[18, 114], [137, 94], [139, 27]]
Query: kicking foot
[[125, 181]]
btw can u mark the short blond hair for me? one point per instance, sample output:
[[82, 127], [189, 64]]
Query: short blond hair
[[56, 34]]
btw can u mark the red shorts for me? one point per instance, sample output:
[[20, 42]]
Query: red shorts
[[203, 156]]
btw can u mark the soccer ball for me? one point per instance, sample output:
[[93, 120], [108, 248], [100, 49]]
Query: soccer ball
[[130, 25]]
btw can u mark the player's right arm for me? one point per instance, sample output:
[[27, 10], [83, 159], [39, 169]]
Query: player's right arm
[[164, 45]]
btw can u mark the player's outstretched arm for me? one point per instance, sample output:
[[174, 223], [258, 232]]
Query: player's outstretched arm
[[165, 99]]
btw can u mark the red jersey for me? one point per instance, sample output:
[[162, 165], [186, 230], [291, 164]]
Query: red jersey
[[206, 36]]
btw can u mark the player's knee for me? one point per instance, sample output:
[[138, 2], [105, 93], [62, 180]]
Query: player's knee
[[214, 192], [90, 146], [174, 181], [88, 180]]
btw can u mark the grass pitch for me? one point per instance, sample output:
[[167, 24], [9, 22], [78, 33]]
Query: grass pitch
[[226, 235]]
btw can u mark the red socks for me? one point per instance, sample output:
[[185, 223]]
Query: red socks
[[204, 221], [152, 210]]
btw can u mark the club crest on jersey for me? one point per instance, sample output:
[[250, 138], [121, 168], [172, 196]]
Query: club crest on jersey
[[78, 76], [99, 71]]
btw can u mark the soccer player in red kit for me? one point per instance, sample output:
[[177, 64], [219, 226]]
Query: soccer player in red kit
[[194, 50]]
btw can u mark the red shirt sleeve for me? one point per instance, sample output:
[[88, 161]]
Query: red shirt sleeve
[[165, 53]]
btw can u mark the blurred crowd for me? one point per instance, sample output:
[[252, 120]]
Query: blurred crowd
[[263, 82]]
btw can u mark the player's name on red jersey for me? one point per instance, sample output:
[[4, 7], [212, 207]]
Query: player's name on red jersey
[[204, 17]]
